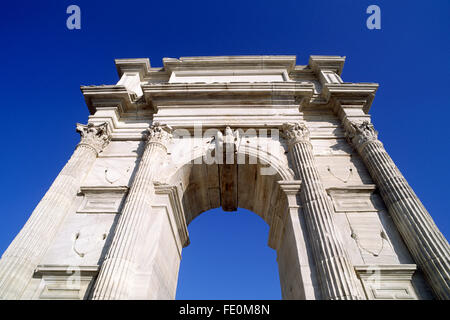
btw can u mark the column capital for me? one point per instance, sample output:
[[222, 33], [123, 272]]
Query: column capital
[[159, 133], [94, 136], [295, 132], [360, 133]]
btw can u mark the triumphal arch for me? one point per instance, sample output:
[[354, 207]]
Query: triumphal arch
[[292, 143]]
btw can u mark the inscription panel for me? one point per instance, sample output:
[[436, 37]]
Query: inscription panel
[[102, 200]]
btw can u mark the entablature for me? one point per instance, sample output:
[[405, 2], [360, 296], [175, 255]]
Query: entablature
[[248, 85]]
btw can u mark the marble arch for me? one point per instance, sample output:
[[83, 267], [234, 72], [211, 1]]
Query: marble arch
[[344, 221]]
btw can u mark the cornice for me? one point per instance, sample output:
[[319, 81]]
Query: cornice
[[105, 88], [333, 63], [140, 65], [118, 96], [66, 270], [359, 89], [107, 96], [356, 188], [103, 189], [290, 187], [351, 92], [234, 88], [395, 272]]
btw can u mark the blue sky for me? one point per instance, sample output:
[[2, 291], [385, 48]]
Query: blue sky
[[45, 63]]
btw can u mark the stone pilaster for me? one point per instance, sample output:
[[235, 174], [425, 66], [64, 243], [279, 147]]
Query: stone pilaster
[[426, 243], [335, 271], [114, 279], [25, 252]]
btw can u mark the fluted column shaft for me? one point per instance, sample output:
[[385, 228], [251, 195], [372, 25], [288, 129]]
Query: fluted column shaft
[[336, 275], [112, 282], [426, 243], [27, 249]]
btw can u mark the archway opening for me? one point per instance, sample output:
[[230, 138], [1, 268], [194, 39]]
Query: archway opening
[[228, 258], [260, 186]]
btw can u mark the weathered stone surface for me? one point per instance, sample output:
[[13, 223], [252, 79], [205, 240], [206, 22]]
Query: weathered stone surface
[[27, 249], [335, 271], [165, 144], [426, 243]]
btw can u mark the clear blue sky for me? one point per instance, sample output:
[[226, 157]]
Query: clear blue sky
[[44, 64]]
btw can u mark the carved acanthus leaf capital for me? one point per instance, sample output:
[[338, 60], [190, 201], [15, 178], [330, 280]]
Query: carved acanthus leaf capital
[[361, 132], [159, 133], [295, 132], [94, 136]]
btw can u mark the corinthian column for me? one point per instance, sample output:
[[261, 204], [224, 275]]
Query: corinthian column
[[25, 252], [426, 243], [113, 281], [336, 275]]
